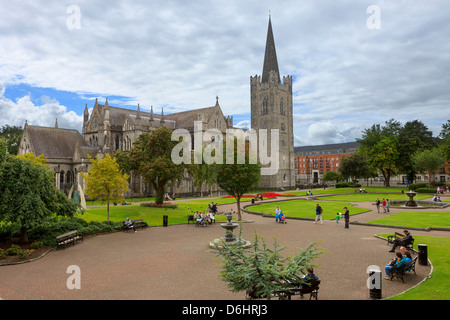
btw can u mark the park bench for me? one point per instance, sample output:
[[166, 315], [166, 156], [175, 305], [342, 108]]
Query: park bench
[[310, 287], [68, 238], [190, 218], [138, 223], [407, 267], [396, 235]]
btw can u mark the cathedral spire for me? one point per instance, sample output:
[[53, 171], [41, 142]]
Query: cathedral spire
[[270, 57]]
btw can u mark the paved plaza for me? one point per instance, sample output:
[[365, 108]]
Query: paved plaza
[[175, 262]]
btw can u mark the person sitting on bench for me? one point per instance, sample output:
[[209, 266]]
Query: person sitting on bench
[[310, 276], [130, 224], [407, 239]]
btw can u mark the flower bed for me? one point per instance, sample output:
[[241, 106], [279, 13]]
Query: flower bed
[[171, 205]]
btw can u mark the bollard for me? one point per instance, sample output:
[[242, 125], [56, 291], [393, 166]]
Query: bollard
[[423, 254], [374, 283], [165, 220]]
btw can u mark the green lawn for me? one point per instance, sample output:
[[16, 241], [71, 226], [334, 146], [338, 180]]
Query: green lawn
[[306, 209], [437, 286], [372, 197], [418, 219], [153, 216]]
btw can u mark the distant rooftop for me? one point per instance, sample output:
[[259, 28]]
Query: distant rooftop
[[327, 148]]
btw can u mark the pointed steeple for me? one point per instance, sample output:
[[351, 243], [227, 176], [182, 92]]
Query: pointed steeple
[[138, 113], [270, 57], [56, 123], [162, 121], [151, 114]]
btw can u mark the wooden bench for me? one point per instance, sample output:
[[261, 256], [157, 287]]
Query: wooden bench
[[68, 238], [138, 223], [310, 287], [396, 235], [407, 267]]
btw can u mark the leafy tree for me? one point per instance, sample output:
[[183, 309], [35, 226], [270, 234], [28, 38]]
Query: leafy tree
[[429, 161], [28, 194], [380, 145], [262, 270], [12, 136], [332, 176], [105, 181], [237, 179], [445, 140], [151, 158], [123, 160], [203, 173], [413, 136], [355, 166], [3, 152]]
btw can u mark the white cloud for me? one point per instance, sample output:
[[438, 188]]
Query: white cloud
[[16, 113], [181, 54]]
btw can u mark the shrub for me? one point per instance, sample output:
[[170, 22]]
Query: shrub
[[36, 244], [415, 186], [25, 253], [426, 190], [2, 253], [14, 250], [347, 185]]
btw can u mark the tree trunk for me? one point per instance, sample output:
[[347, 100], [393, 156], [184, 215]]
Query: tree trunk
[[238, 201], [108, 210], [23, 235]]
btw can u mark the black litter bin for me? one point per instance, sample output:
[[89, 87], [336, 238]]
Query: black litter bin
[[165, 220], [423, 254], [253, 200], [374, 283]]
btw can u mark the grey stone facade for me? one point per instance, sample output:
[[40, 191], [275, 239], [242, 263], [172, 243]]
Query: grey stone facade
[[272, 108]]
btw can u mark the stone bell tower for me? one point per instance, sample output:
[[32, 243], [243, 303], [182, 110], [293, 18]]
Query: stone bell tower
[[271, 108]]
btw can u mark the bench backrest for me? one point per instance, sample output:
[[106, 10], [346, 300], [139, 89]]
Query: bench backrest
[[310, 286], [65, 235]]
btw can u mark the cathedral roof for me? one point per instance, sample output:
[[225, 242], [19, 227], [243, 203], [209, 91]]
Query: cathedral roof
[[185, 119], [54, 142]]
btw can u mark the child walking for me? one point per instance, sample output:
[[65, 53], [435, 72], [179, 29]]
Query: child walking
[[338, 217]]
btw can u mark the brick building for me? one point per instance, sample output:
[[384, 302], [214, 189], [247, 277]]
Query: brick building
[[312, 162]]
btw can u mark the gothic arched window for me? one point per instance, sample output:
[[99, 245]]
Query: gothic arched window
[[282, 111], [265, 106]]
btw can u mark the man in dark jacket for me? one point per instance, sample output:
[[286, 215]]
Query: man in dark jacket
[[346, 217], [407, 238]]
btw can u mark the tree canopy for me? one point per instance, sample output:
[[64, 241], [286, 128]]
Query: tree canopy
[[151, 158], [28, 194], [105, 181], [237, 179]]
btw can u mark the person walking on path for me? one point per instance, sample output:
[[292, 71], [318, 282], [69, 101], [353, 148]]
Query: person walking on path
[[277, 214], [378, 205], [383, 204], [388, 205], [319, 212], [346, 217]]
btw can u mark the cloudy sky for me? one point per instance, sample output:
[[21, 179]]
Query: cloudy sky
[[354, 62]]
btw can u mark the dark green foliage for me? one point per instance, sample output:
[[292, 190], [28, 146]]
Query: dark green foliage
[[426, 190], [28, 195], [262, 270], [348, 185]]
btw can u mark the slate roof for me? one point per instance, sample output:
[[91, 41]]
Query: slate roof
[[54, 142], [328, 147], [270, 57]]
